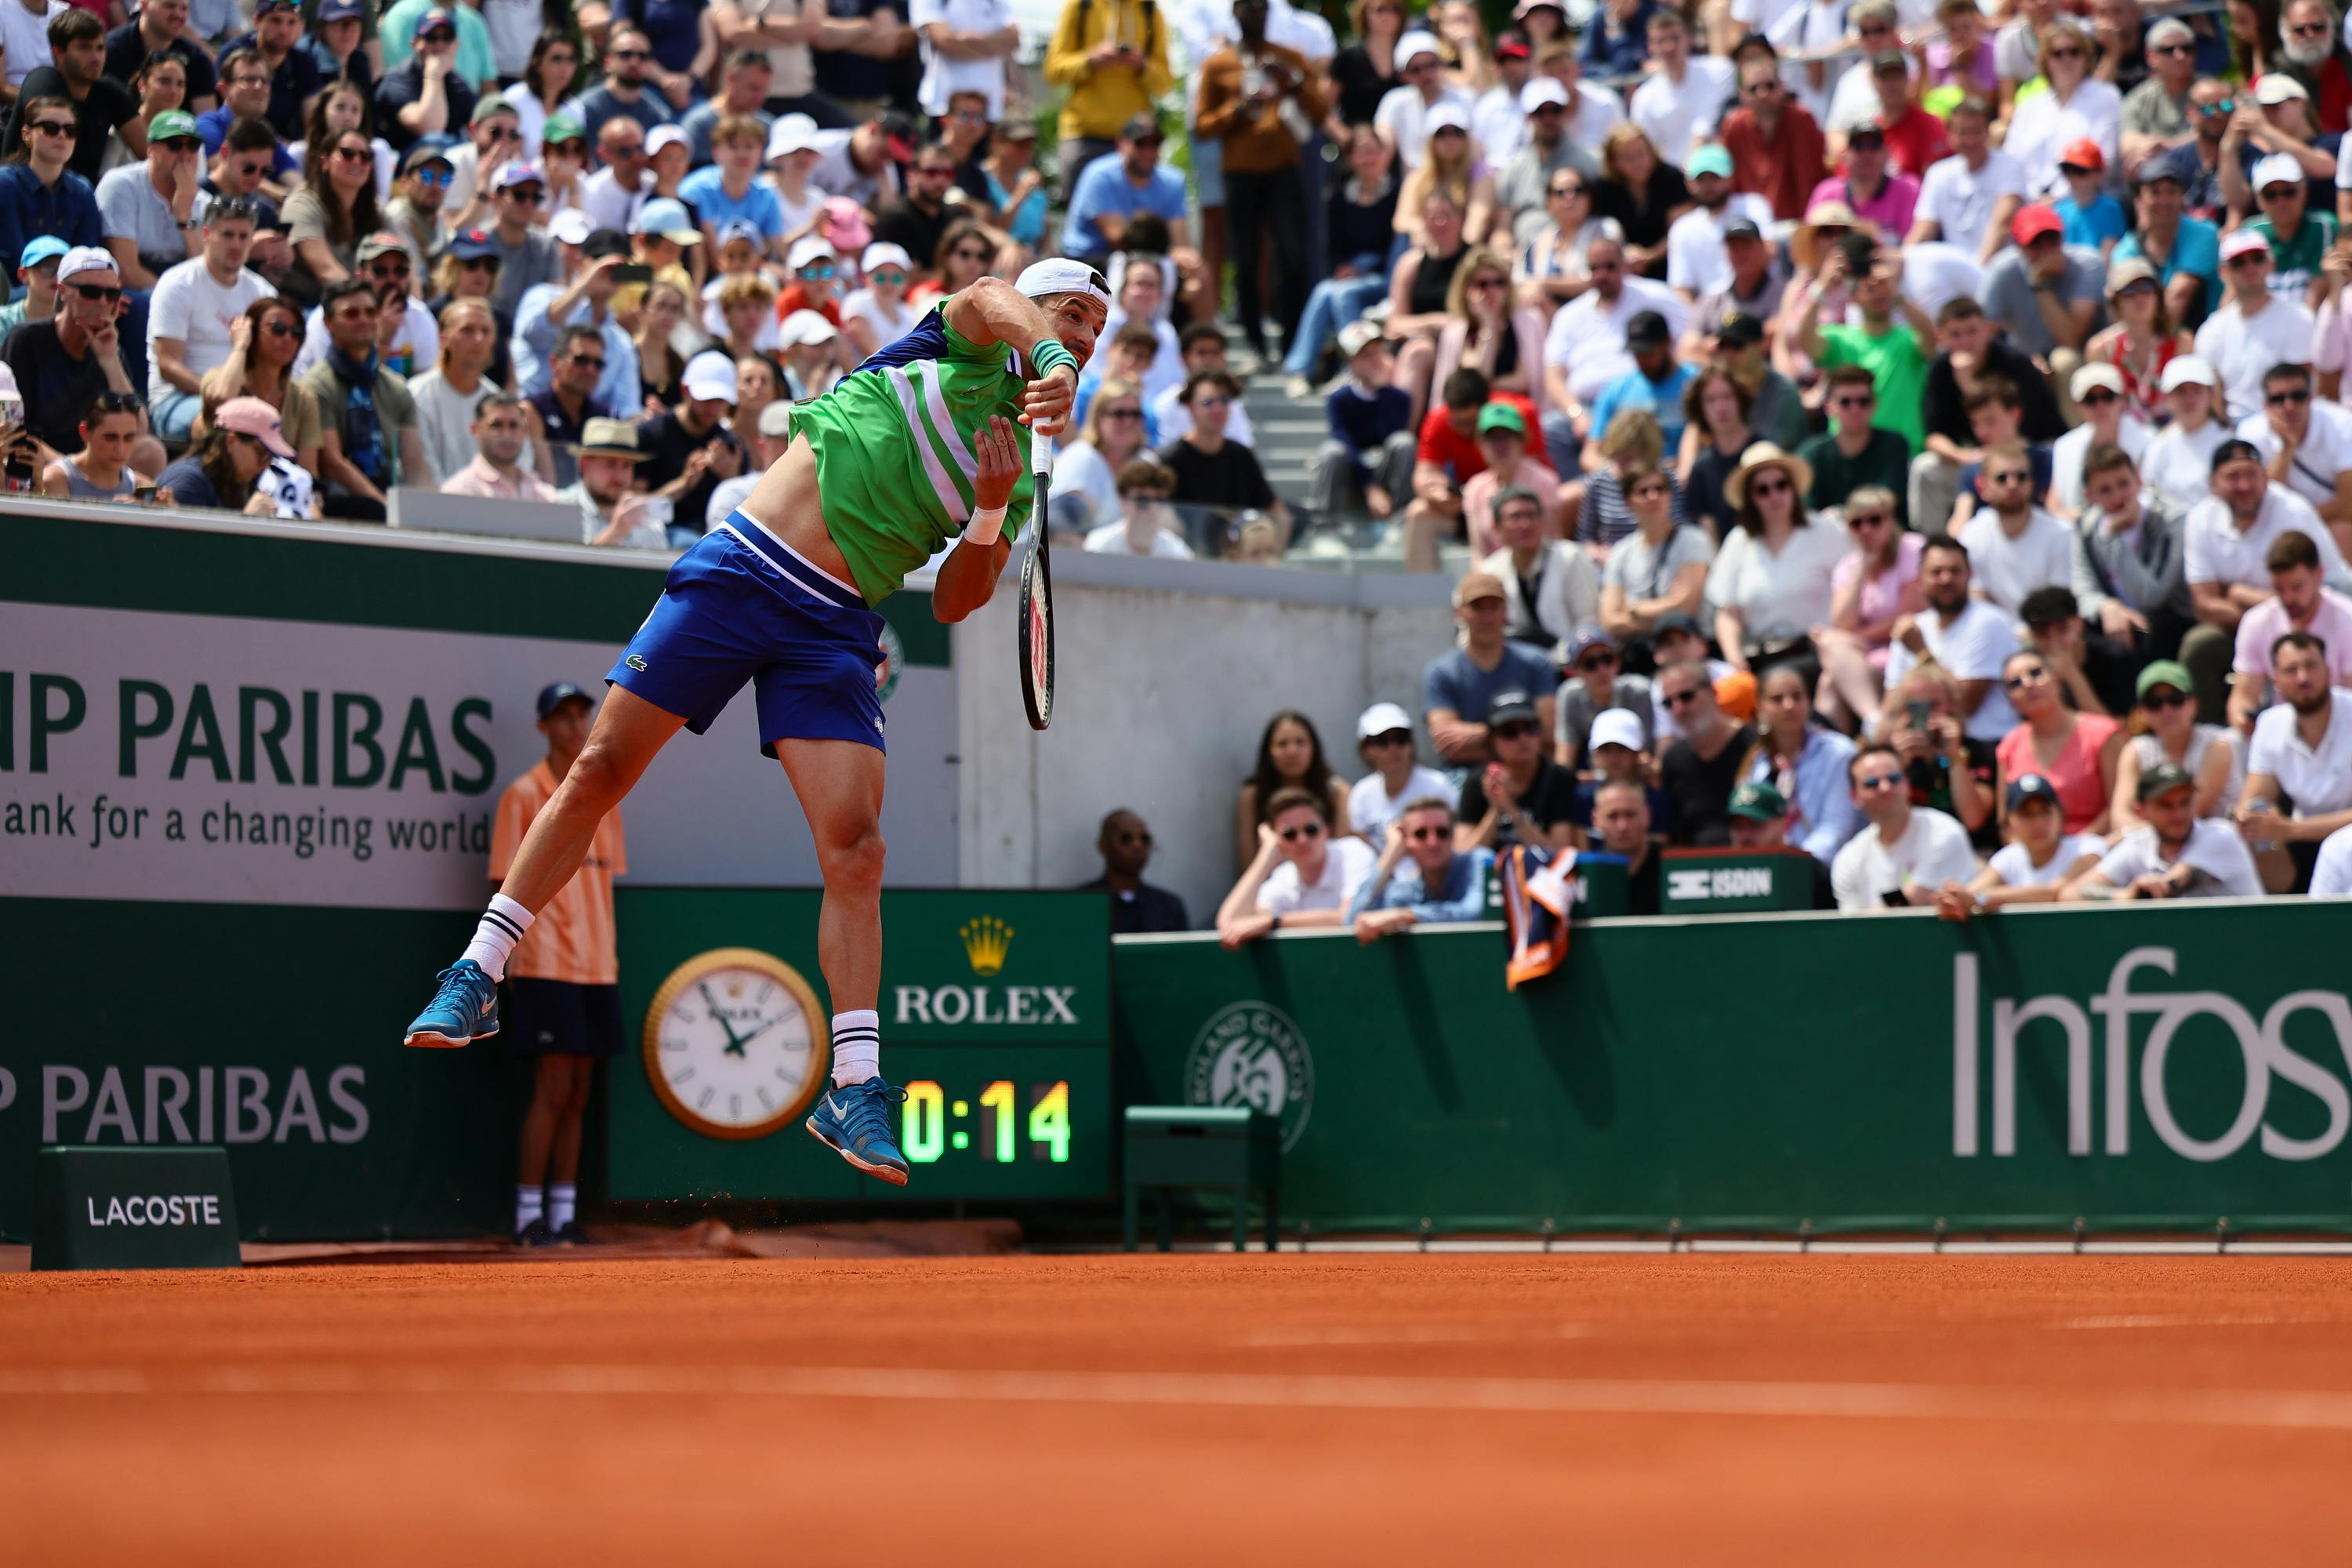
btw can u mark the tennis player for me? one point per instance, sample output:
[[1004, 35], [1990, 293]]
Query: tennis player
[[922, 445]]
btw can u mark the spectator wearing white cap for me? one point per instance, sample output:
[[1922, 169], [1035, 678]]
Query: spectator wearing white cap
[[1522, 189], [62, 364], [2255, 329], [795, 150], [811, 349], [2156, 115], [2179, 462], [691, 451], [2285, 121], [814, 279], [527, 253], [876, 313], [2299, 238], [2305, 441], [1681, 101], [1403, 118], [2108, 419], [1384, 741]]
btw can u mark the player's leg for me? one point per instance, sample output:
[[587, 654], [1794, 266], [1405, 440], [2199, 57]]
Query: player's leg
[[630, 731], [839, 783]]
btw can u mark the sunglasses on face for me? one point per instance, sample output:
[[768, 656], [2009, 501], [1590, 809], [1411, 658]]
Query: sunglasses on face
[[2139, 291], [1679, 699], [1597, 661], [887, 275], [2165, 697], [2174, 49], [2280, 193], [2097, 397], [1304, 830], [2065, 54], [2010, 477], [1878, 783], [528, 197], [629, 54], [437, 36], [56, 127], [2252, 259], [2227, 106], [1865, 520], [2291, 396], [437, 178], [1567, 189], [1771, 487], [1154, 142], [181, 146], [2026, 676], [818, 273], [94, 293], [1853, 400], [2311, 30], [279, 328], [1423, 835], [1550, 110], [974, 256], [353, 155], [593, 361], [1518, 732]]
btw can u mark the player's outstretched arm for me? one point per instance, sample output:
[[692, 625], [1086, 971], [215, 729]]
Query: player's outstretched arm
[[968, 576]]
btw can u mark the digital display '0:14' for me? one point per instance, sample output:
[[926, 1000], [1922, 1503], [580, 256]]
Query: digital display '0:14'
[[935, 1124]]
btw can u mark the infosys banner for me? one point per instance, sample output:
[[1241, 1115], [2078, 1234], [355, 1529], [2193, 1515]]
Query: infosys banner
[[2133, 1067], [273, 717], [247, 778]]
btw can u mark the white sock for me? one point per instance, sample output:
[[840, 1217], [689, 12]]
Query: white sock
[[502, 926], [527, 1207], [857, 1047], [563, 1201]]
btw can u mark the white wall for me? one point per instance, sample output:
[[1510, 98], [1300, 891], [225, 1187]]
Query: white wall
[[1165, 673]]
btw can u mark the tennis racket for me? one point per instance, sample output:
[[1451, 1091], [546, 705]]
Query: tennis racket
[[1036, 621]]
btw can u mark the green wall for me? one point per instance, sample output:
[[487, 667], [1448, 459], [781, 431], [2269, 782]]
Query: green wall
[[1761, 1073]]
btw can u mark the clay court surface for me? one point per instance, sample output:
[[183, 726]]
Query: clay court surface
[[1385, 1408]]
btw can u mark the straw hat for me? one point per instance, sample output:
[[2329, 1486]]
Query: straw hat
[[1768, 455], [1805, 241]]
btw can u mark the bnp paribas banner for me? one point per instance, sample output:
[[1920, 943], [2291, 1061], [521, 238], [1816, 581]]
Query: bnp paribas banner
[[272, 717], [247, 773], [2180, 1066]]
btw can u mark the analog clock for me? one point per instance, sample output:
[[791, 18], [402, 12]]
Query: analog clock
[[736, 1043]]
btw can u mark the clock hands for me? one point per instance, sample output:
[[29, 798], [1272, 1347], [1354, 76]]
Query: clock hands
[[734, 1046], [755, 1034]]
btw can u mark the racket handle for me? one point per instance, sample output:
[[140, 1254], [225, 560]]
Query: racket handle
[[1041, 450]]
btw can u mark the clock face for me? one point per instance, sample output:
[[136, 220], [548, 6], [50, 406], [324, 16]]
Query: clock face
[[736, 1043]]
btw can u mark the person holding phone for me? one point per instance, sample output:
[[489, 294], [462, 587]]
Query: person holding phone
[[1112, 55], [1906, 853]]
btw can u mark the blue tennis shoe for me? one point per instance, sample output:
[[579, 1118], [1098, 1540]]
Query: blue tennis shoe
[[464, 1008], [856, 1121]]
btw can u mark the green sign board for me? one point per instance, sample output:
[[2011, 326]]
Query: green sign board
[[1732, 881], [134, 1208], [996, 1020], [2139, 1067]]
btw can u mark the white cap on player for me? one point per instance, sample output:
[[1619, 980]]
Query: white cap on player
[[1059, 275]]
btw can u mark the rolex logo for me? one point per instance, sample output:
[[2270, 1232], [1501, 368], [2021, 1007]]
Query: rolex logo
[[985, 941]]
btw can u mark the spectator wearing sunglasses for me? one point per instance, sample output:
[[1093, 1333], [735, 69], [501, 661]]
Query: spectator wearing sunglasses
[[626, 92], [1421, 879], [103, 108], [245, 166], [569, 402], [39, 195], [426, 94], [1522, 796], [2157, 113], [62, 364], [476, 60], [1905, 853], [369, 441], [527, 254], [493, 139], [2164, 729], [409, 336], [1301, 876], [1384, 742], [416, 212], [1135, 906]]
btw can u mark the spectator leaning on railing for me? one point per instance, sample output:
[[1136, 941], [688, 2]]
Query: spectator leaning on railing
[[1421, 879], [1301, 876]]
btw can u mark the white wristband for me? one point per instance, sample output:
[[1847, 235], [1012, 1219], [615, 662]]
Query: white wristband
[[985, 525]]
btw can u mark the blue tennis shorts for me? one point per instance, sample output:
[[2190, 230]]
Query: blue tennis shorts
[[742, 606]]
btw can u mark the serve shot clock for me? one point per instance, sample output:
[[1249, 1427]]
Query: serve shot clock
[[736, 1043]]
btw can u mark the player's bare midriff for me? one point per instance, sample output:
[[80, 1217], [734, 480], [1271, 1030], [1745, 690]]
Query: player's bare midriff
[[785, 502]]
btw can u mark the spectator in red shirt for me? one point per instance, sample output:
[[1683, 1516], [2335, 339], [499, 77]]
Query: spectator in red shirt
[[1449, 457], [1777, 148], [1914, 138]]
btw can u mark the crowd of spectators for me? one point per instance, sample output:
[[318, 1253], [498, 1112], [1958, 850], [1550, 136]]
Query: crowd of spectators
[[1951, 394]]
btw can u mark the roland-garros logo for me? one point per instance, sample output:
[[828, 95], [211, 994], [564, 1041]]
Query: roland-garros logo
[[1249, 1053], [2068, 1023]]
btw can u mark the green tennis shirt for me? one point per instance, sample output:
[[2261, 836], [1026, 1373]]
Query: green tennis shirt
[[895, 452]]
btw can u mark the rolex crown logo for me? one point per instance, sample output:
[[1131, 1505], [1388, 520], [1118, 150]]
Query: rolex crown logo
[[985, 941]]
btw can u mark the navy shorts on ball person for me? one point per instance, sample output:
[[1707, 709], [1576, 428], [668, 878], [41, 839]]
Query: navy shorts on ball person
[[741, 606], [557, 1018]]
